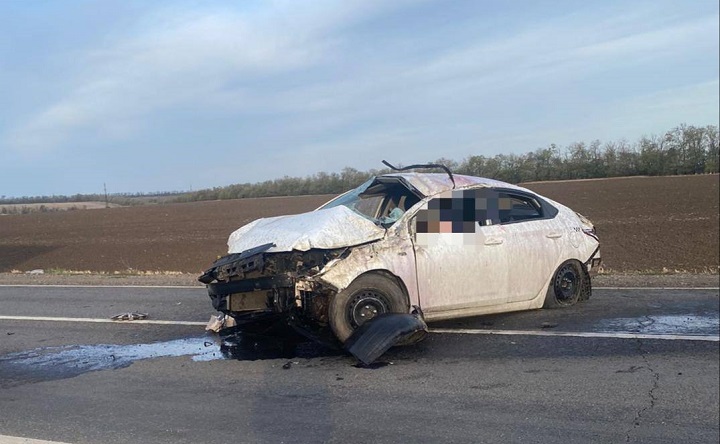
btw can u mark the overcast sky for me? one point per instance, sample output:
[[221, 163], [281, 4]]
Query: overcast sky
[[177, 95]]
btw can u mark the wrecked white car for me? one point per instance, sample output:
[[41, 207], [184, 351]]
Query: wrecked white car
[[438, 246]]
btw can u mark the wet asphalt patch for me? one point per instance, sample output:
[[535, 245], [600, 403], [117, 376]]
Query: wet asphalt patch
[[54, 363]]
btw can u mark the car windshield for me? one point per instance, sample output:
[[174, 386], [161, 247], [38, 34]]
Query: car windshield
[[382, 202], [365, 206]]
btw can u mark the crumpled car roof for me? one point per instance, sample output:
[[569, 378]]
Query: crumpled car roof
[[430, 184]]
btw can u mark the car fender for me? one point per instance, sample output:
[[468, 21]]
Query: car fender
[[393, 255]]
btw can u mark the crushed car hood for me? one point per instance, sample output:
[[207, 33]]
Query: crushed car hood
[[335, 227]]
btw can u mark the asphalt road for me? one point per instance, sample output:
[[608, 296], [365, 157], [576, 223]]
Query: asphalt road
[[638, 377]]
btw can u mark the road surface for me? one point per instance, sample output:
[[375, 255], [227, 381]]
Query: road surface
[[630, 365]]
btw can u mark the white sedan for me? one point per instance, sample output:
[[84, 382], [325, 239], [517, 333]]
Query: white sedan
[[440, 246]]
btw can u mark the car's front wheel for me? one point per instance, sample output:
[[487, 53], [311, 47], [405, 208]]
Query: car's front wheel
[[566, 286], [365, 298]]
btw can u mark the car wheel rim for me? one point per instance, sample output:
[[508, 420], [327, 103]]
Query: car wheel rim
[[566, 284], [365, 306]]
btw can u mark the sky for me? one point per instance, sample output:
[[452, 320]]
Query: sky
[[148, 96]]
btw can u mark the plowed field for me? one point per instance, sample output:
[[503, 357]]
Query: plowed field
[[645, 224]]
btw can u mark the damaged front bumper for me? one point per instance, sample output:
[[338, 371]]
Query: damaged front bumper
[[256, 288], [248, 294], [275, 282]]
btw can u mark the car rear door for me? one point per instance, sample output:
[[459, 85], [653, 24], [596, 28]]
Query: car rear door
[[531, 242]]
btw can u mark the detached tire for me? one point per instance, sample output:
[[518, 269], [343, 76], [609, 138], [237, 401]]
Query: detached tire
[[566, 287], [366, 297]]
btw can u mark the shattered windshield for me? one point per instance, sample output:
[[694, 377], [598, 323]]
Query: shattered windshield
[[366, 206], [381, 201]]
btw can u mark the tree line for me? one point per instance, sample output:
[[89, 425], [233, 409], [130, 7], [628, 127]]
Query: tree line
[[123, 199], [685, 149]]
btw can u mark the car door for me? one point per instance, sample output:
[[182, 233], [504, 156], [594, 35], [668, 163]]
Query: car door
[[460, 251], [531, 242]]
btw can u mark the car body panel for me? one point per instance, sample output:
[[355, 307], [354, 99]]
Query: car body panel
[[430, 184], [392, 254], [459, 270]]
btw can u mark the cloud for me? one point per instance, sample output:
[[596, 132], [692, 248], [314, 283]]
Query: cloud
[[309, 86], [565, 48], [182, 59], [652, 113]]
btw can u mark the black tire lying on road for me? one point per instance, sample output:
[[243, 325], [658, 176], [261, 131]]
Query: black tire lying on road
[[366, 297]]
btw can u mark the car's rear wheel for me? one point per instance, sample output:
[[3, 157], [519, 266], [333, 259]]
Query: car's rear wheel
[[365, 298], [566, 286]]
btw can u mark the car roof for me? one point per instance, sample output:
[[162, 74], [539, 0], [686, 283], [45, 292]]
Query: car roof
[[430, 184]]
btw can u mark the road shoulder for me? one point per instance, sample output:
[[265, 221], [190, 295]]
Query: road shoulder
[[190, 280]]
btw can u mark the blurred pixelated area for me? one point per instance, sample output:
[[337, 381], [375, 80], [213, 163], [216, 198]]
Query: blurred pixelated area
[[462, 211]]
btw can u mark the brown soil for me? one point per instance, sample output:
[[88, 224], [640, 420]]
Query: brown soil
[[646, 225], [649, 224], [170, 237]]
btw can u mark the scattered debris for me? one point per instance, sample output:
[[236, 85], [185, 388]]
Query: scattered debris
[[549, 325], [215, 323], [287, 365], [219, 322], [130, 316], [10, 333], [376, 336], [36, 271]]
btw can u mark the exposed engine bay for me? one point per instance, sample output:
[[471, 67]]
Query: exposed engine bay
[[255, 280]]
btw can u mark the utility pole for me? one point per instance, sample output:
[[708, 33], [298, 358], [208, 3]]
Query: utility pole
[[107, 204]]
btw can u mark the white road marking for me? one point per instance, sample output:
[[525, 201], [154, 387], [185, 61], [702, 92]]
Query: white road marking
[[4, 439], [606, 335], [98, 320], [462, 331]]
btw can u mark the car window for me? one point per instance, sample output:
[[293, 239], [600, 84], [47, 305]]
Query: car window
[[381, 202], [368, 205], [461, 211], [364, 205], [514, 208]]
